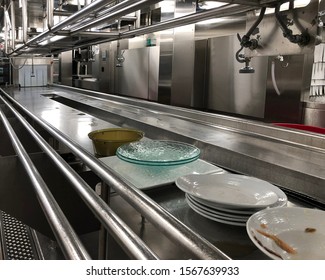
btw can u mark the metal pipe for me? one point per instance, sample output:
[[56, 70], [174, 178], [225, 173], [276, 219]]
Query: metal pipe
[[117, 11], [68, 240], [50, 15], [6, 28], [24, 20], [76, 16], [131, 243], [157, 215], [97, 34], [13, 24], [223, 11], [62, 13]]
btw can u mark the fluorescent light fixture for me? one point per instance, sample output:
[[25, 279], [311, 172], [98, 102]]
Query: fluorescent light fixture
[[207, 5], [51, 40], [167, 6], [57, 37], [285, 6], [211, 21]]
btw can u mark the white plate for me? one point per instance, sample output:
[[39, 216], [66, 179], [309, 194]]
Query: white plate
[[282, 201], [229, 190], [215, 217], [289, 224], [236, 211], [228, 216]]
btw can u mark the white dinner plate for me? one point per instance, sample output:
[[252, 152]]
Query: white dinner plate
[[302, 229], [220, 214], [215, 217], [236, 211], [229, 190], [282, 201]]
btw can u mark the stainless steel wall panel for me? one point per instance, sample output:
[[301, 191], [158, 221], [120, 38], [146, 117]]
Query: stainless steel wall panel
[[183, 66], [102, 69], [139, 73], [66, 68], [230, 91], [153, 78], [183, 57], [165, 68], [286, 107], [200, 75]]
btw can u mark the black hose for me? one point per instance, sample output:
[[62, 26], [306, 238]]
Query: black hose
[[257, 22], [238, 58], [246, 42], [301, 39]]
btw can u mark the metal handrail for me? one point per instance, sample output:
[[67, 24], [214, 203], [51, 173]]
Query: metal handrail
[[158, 216], [131, 243], [68, 240]]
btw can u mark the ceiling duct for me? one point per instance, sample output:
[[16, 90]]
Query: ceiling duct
[[94, 6]]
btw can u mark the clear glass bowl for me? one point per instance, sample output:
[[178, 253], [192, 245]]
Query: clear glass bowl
[[158, 152]]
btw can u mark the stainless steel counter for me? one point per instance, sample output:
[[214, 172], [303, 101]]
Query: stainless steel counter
[[293, 160]]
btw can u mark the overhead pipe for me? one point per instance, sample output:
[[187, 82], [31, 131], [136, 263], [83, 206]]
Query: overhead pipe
[[50, 14], [102, 14], [73, 18], [223, 11], [13, 24], [62, 13], [129, 241], [24, 21], [156, 214], [68, 240], [91, 8], [5, 23], [117, 11], [97, 34]]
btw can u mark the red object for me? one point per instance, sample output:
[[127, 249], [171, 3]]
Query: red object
[[309, 128]]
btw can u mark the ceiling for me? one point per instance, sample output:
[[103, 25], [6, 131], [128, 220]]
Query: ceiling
[[73, 35]]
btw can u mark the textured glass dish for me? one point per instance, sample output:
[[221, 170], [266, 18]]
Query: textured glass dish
[[158, 152]]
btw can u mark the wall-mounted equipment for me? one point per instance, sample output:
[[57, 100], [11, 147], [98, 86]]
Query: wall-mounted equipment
[[84, 54], [286, 29], [247, 42]]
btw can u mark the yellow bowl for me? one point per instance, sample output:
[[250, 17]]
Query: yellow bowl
[[106, 141]]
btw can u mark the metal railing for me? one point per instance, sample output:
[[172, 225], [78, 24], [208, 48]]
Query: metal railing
[[135, 247], [158, 216]]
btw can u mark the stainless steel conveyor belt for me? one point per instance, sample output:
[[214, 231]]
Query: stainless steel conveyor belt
[[158, 216], [292, 159]]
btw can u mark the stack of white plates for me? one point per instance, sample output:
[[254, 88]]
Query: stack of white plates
[[229, 198]]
